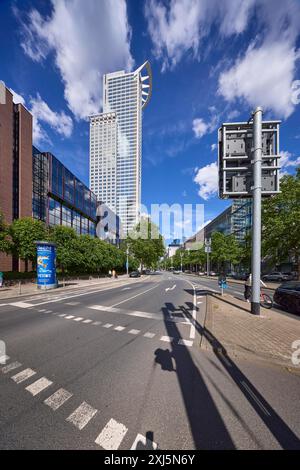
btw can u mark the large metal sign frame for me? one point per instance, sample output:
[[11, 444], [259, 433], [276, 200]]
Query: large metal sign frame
[[235, 159]]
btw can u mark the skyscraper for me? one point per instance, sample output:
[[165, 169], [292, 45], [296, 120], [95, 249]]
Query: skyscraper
[[116, 143]]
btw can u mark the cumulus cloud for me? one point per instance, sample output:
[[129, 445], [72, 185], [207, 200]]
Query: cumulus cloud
[[213, 147], [288, 159], [86, 42], [59, 122], [173, 37], [202, 127], [17, 98], [207, 179]]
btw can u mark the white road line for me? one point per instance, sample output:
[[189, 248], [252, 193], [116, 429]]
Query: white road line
[[134, 313], [87, 321], [69, 317], [107, 325], [62, 315], [3, 305], [72, 303], [39, 386], [170, 288], [4, 359], [58, 398], [82, 415], [149, 335], [78, 318], [198, 302], [96, 323], [23, 375], [21, 304], [126, 288], [141, 442], [134, 332], [119, 328], [134, 296], [42, 310], [185, 342], [167, 339], [194, 313], [11, 366], [111, 435]]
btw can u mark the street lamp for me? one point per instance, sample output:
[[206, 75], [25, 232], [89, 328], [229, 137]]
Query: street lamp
[[127, 261]]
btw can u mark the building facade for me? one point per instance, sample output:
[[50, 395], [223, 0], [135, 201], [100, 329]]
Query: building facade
[[173, 247], [108, 225], [15, 166], [59, 198], [116, 143]]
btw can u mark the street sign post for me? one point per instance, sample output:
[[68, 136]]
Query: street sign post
[[248, 165], [207, 244]]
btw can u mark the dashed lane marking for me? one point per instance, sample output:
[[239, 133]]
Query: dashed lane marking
[[167, 339], [72, 303], [23, 375], [58, 398], [119, 328], [88, 320], [69, 317], [62, 315], [12, 366], [111, 435], [149, 335], [21, 304], [96, 323], [82, 415], [185, 342], [142, 442], [107, 325], [39, 386], [78, 318], [134, 332]]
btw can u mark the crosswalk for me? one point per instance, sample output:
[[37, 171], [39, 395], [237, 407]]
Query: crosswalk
[[110, 436]]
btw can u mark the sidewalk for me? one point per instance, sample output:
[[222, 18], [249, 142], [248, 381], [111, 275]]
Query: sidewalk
[[230, 327], [29, 288], [270, 285]]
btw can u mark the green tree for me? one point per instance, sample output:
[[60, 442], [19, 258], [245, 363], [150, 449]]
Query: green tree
[[68, 256], [224, 249], [281, 222], [5, 240], [24, 233], [146, 243]]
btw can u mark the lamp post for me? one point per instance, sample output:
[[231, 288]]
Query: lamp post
[[127, 261]]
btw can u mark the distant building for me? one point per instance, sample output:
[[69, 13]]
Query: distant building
[[108, 225], [173, 247], [15, 166], [116, 143], [59, 198]]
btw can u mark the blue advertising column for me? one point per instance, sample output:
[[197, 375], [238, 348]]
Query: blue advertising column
[[46, 265]]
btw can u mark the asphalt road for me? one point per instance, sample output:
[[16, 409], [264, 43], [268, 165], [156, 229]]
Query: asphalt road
[[121, 368]]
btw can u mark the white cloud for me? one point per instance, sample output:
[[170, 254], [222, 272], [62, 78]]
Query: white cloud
[[263, 77], [17, 98], [207, 179], [87, 40], [179, 27], [288, 159], [59, 122], [201, 127], [213, 147]]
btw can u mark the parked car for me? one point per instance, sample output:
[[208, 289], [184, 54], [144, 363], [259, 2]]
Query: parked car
[[135, 274], [146, 271], [287, 295], [276, 276], [240, 276], [176, 272]]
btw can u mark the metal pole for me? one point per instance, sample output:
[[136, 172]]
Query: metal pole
[[207, 263], [256, 216], [127, 262]]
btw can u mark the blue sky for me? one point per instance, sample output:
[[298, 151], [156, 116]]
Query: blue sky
[[212, 61]]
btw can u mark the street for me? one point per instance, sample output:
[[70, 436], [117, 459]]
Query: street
[[120, 367]]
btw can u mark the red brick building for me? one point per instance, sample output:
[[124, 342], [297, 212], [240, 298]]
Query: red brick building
[[15, 166]]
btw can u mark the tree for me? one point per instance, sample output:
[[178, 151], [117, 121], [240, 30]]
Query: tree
[[225, 248], [5, 240], [281, 222], [68, 256], [24, 233], [146, 243]]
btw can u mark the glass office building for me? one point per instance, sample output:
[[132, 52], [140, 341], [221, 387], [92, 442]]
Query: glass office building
[[59, 198], [116, 143]]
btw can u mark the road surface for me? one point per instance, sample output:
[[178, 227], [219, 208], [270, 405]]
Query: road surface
[[121, 368]]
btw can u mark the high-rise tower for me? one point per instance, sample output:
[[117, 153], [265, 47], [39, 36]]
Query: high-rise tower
[[116, 143]]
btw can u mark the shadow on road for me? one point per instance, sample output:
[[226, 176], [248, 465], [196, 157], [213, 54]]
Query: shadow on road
[[280, 430]]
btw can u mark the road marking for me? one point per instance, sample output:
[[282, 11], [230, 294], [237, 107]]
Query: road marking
[[23, 375], [149, 335], [199, 302], [238, 292], [167, 339], [111, 435], [170, 288], [107, 325], [82, 415], [87, 321], [72, 303], [48, 311], [69, 317], [39, 386], [143, 443], [119, 328], [58, 398], [134, 332], [134, 296], [136, 313], [126, 288], [78, 318], [97, 323], [2, 305], [62, 314], [185, 342], [21, 304], [12, 366], [43, 310]]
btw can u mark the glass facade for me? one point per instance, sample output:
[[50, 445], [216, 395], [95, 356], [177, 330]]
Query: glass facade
[[59, 198], [116, 143]]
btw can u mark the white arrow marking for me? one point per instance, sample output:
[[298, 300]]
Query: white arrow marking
[[170, 288]]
